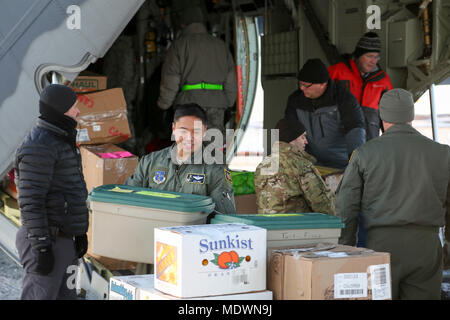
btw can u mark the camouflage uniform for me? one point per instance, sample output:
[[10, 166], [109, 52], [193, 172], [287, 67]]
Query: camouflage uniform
[[295, 187]]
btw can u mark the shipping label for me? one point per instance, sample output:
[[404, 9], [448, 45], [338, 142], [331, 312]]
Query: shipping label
[[83, 135], [380, 280], [350, 285]]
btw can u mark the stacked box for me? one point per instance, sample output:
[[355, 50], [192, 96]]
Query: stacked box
[[290, 229], [103, 117], [87, 83], [208, 260], [141, 287], [124, 217], [318, 272]]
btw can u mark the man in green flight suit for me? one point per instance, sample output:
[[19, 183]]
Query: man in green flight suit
[[400, 183], [287, 181], [182, 167]]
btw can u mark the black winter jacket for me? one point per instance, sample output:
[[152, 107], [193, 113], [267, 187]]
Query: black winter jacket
[[51, 187], [334, 123]]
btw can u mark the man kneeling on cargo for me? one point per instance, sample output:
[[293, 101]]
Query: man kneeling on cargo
[[287, 181], [182, 167]]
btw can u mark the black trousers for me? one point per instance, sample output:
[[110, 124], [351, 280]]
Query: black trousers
[[57, 285]]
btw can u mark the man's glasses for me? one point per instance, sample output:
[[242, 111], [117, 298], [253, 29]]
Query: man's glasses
[[373, 57], [306, 86]]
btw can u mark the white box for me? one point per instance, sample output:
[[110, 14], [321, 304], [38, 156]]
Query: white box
[[127, 287], [125, 232], [141, 287], [208, 260]]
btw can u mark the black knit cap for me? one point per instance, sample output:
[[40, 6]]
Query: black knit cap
[[190, 109], [289, 129], [369, 42], [313, 71], [58, 97]]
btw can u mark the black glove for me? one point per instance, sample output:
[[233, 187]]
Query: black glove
[[81, 245], [45, 260]]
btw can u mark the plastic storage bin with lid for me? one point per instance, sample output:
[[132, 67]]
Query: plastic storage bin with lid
[[123, 218], [290, 229]]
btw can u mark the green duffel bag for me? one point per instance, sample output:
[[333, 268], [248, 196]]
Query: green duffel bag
[[243, 182]]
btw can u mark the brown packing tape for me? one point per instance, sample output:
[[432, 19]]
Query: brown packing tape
[[314, 251]]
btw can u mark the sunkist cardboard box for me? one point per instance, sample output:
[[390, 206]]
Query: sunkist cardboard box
[[141, 287], [338, 272], [211, 259], [89, 82], [103, 117], [106, 164]]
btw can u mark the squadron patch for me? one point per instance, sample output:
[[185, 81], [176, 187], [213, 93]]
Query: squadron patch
[[227, 175], [195, 178], [159, 177]]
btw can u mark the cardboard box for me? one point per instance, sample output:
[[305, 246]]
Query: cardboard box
[[103, 117], [208, 260], [87, 83], [99, 171], [246, 204], [339, 273], [141, 287], [106, 164], [8, 184]]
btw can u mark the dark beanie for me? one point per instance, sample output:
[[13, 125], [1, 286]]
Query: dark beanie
[[60, 98], [313, 71], [289, 129], [191, 15], [369, 42]]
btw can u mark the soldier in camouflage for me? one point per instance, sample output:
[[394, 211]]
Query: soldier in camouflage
[[287, 181]]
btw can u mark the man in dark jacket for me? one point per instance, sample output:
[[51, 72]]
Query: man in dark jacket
[[401, 184], [52, 198], [331, 115], [363, 76]]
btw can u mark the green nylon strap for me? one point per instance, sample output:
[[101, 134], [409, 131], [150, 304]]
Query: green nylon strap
[[203, 85]]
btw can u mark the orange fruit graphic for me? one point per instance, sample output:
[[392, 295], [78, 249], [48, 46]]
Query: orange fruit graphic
[[223, 259], [234, 256]]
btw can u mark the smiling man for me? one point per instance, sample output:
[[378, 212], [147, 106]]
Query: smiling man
[[331, 115], [363, 76], [295, 185], [182, 167]]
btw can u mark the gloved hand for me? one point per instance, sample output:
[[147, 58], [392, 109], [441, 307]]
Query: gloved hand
[[45, 260], [81, 245]]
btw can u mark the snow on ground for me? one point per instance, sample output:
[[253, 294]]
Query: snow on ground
[[10, 278]]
